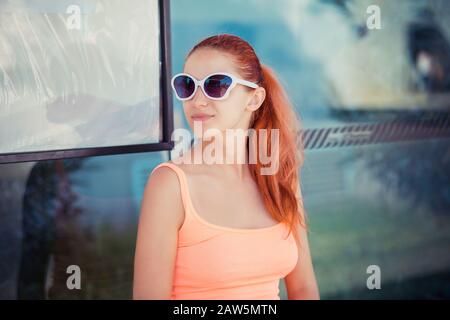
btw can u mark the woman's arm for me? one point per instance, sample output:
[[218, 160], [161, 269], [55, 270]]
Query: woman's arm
[[301, 282], [160, 217]]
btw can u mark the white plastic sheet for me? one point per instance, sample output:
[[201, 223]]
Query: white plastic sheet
[[77, 74]]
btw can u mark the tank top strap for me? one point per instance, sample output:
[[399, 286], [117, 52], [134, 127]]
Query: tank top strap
[[182, 181], [192, 231]]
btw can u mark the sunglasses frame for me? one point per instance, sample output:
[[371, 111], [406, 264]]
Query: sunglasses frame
[[200, 83]]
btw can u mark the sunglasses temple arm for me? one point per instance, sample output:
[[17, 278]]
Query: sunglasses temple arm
[[247, 83]]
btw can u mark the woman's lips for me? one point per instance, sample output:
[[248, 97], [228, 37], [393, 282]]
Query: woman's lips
[[201, 117]]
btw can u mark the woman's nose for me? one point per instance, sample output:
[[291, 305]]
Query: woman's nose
[[200, 99]]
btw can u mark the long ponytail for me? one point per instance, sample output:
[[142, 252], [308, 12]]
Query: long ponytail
[[281, 191]]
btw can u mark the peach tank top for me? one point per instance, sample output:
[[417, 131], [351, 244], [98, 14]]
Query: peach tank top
[[216, 262]]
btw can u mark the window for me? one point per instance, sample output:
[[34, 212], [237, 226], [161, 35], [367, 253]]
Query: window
[[83, 78]]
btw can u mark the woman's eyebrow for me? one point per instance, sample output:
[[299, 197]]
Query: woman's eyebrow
[[193, 75]]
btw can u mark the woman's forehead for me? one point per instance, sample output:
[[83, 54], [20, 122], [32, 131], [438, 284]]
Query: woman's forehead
[[204, 62]]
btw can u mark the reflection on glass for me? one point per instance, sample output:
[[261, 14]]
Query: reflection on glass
[[381, 198], [80, 212]]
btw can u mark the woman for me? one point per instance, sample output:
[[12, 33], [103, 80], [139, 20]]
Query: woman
[[225, 230]]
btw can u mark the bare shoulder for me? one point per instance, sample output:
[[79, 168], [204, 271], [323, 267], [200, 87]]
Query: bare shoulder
[[186, 162], [160, 219], [164, 181], [162, 195]]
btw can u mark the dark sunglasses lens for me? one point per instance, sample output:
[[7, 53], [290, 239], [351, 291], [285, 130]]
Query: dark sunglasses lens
[[217, 85], [184, 86]]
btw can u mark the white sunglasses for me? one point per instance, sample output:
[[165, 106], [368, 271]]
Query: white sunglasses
[[215, 86]]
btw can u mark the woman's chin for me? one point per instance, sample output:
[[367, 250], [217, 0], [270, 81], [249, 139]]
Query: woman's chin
[[206, 131], [208, 134]]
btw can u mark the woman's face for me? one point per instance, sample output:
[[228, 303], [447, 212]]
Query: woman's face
[[232, 113]]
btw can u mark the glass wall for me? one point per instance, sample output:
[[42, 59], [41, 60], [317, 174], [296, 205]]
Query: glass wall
[[374, 103], [78, 74], [81, 212]]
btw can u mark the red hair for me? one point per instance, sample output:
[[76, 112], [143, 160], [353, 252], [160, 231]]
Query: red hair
[[281, 191]]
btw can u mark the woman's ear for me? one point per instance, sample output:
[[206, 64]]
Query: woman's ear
[[257, 99]]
